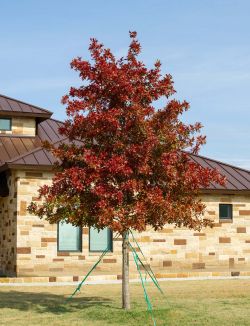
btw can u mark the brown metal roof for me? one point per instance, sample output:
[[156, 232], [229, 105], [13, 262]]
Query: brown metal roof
[[11, 147], [48, 130], [237, 179], [12, 107], [38, 157], [28, 150]]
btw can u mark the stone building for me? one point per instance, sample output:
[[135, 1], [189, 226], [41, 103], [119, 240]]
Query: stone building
[[30, 247]]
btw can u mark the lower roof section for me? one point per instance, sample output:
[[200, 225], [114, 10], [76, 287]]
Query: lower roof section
[[28, 153]]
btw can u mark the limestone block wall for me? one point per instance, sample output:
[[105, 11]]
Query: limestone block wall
[[8, 230], [37, 239], [223, 248], [21, 126]]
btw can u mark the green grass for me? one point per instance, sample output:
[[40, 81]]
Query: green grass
[[220, 302]]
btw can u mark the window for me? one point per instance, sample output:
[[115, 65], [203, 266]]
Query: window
[[5, 124], [100, 241], [226, 211], [69, 237]]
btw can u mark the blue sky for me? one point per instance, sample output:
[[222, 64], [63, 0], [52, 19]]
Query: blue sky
[[203, 44]]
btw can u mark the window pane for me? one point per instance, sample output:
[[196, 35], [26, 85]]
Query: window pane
[[69, 237], [225, 211], [100, 241], [5, 124]]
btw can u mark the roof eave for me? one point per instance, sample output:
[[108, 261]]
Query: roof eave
[[10, 166], [25, 114], [225, 191], [25, 167]]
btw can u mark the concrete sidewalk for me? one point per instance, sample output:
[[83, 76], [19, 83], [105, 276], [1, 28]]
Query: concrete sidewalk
[[98, 282]]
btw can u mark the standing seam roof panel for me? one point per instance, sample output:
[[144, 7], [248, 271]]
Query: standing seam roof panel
[[50, 131], [17, 145], [235, 183], [42, 158], [235, 174], [54, 126], [10, 147], [30, 159], [14, 106], [204, 165], [244, 174], [8, 104], [26, 107], [4, 154], [4, 104]]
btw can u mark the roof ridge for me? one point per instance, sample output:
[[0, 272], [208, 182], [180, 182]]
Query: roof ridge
[[35, 106], [220, 162]]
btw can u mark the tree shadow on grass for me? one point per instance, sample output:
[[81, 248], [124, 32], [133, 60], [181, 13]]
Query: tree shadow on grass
[[90, 308], [49, 303]]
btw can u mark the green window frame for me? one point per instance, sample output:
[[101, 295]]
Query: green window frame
[[225, 211], [5, 124], [69, 237], [100, 240]]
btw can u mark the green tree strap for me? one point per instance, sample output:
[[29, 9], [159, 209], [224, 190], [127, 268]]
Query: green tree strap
[[149, 305], [137, 261], [148, 270], [90, 271]]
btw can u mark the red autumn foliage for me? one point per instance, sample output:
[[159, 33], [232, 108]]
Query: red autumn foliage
[[127, 163]]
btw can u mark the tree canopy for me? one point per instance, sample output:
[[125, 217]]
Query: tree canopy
[[127, 163]]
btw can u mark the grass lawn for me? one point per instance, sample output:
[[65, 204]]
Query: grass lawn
[[211, 302]]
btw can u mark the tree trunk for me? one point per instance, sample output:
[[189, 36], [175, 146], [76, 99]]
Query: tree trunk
[[125, 272]]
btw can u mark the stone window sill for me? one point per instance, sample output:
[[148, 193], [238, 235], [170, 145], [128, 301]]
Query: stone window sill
[[226, 221]]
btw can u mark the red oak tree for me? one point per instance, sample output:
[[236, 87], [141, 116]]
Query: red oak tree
[[127, 164]]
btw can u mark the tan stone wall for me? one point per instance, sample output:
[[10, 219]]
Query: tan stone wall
[[226, 247], [222, 248], [8, 230], [22, 126]]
